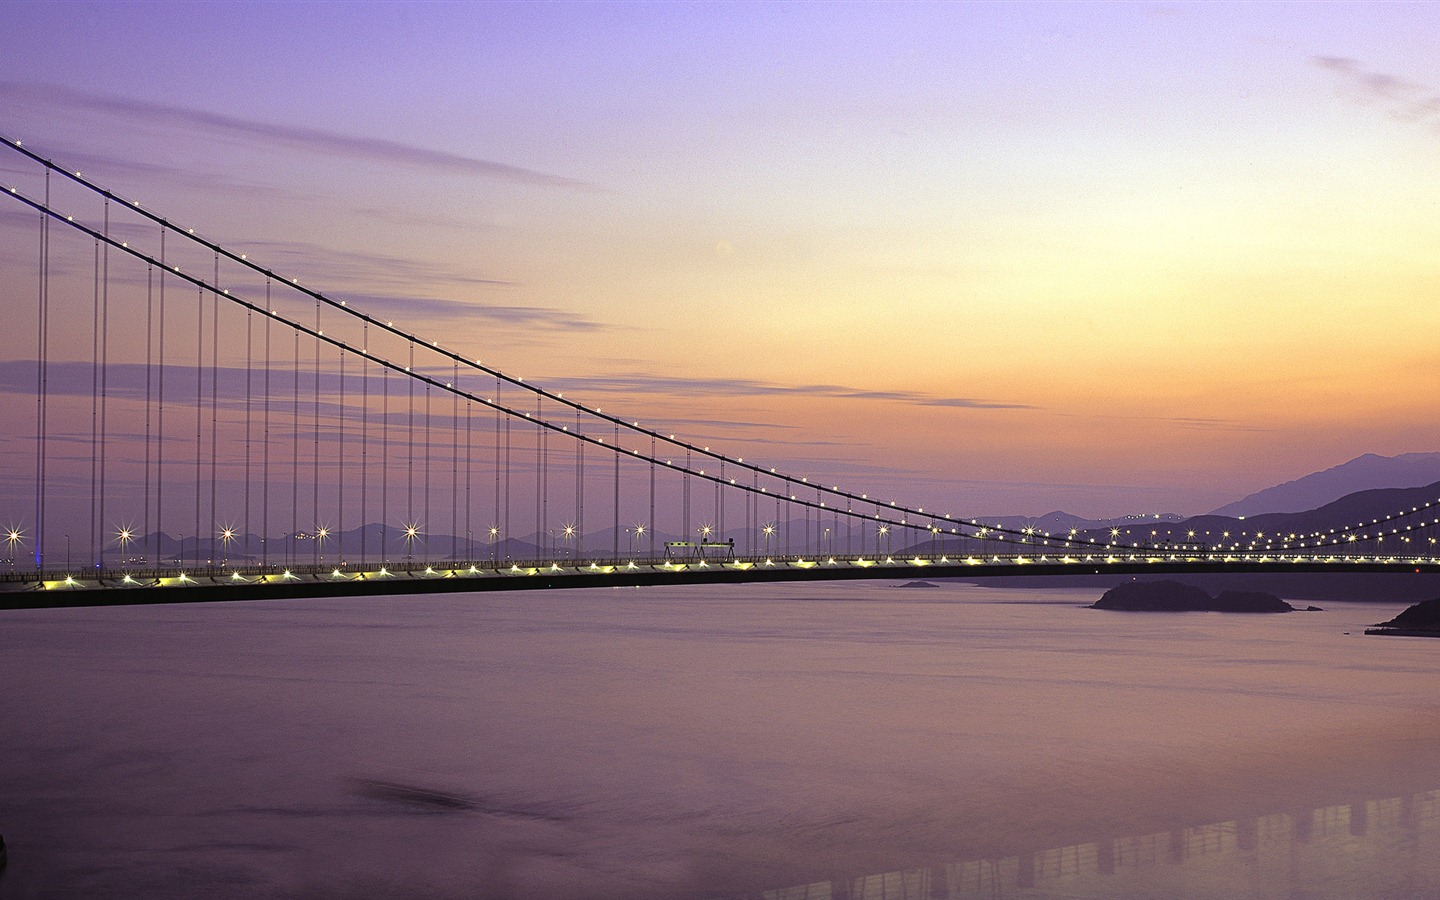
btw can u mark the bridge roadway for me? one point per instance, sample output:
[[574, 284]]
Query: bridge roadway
[[50, 590]]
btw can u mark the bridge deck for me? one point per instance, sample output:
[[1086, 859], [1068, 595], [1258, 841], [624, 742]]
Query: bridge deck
[[20, 590]]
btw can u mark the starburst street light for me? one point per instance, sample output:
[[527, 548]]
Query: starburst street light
[[412, 530], [12, 537], [321, 533], [124, 535]]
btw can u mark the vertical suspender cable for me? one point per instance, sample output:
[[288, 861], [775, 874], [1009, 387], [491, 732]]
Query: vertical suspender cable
[[291, 545], [364, 442], [160, 406], [340, 469], [249, 423], [213, 524], [497, 520], [579, 490], [42, 376], [199, 407], [315, 454], [425, 456], [653, 523], [720, 502], [410, 454], [265, 447], [455, 464], [469, 484], [145, 547], [384, 463], [104, 378], [752, 511], [95, 541], [785, 527], [615, 526], [506, 533], [849, 531]]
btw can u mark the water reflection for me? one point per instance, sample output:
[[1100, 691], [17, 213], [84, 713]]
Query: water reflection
[[1371, 848]]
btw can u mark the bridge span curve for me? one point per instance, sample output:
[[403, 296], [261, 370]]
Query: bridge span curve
[[231, 584]]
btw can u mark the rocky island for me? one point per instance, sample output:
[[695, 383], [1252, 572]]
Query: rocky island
[[1420, 620], [1172, 596]]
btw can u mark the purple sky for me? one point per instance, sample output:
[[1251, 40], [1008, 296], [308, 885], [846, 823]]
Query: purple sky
[[1109, 258]]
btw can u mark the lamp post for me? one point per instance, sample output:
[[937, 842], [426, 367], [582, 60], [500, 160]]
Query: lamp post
[[124, 536], [226, 536]]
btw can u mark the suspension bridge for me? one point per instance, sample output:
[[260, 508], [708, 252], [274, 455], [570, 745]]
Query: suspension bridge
[[185, 423]]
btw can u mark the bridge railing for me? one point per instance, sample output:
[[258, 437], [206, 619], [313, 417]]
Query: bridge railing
[[598, 568]]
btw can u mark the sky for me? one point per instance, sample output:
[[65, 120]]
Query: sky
[[1105, 258]]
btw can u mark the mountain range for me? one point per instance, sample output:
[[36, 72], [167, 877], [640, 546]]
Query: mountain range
[[1362, 473]]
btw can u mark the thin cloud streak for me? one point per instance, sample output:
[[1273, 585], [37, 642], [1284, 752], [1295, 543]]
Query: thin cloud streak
[[733, 387], [310, 139], [1406, 100], [315, 264], [460, 311]]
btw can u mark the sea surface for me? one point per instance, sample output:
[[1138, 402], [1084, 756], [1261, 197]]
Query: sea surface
[[785, 742]]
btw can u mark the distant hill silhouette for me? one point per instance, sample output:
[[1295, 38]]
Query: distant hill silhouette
[[1362, 473], [1059, 522], [1351, 510]]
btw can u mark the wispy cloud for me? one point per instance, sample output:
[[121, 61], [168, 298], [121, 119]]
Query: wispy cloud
[[458, 312], [1211, 424], [1196, 422], [315, 264], [746, 387], [1402, 98], [312, 140]]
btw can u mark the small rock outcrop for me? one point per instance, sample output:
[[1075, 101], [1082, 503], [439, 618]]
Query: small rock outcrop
[[1420, 619], [1172, 596]]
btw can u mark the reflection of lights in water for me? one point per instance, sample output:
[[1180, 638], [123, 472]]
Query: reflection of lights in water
[[1385, 847]]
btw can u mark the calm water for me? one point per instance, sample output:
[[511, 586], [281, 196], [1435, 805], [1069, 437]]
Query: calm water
[[789, 742]]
